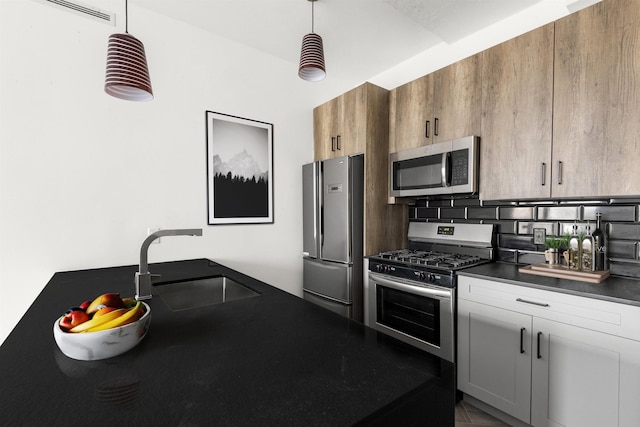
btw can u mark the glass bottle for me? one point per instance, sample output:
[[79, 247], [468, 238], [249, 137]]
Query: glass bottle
[[575, 249], [587, 250], [599, 246]]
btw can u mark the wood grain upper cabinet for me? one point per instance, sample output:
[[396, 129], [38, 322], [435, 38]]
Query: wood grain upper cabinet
[[517, 109], [411, 114], [437, 107], [596, 126], [325, 128], [457, 98], [338, 125]]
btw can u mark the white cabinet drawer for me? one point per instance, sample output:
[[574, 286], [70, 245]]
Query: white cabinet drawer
[[604, 316]]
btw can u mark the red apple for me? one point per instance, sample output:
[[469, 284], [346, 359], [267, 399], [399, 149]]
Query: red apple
[[85, 305], [73, 317]]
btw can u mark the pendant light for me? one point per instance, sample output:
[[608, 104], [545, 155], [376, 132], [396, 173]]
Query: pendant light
[[312, 55], [127, 72]]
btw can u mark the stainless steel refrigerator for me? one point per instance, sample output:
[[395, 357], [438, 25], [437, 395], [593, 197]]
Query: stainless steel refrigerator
[[332, 220]]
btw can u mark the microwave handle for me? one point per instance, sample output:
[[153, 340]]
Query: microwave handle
[[446, 169]]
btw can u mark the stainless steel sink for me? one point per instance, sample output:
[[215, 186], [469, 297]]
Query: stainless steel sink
[[202, 292]]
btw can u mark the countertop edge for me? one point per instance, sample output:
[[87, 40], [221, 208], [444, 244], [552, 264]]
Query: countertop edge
[[614, 289]]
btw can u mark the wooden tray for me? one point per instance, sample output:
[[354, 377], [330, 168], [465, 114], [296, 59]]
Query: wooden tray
[[562, 272]]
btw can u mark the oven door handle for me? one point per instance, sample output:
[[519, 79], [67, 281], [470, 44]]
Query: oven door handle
[[414, 289]]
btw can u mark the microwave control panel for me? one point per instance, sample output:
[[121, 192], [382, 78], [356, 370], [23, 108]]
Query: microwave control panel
[[460, 167]]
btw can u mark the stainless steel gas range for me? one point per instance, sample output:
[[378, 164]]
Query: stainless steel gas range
[[410, 293]]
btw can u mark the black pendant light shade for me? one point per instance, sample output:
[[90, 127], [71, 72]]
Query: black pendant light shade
[[127, 74], [312, 66]]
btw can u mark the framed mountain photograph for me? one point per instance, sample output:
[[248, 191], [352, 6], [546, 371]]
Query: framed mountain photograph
[[239, 170]]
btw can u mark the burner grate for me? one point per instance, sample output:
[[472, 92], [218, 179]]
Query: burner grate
[[441, 260]]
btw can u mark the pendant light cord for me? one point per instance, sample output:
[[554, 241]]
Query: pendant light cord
[[126, 16], [312, 2]]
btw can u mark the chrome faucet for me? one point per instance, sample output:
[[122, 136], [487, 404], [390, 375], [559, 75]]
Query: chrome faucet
[[143, 278]]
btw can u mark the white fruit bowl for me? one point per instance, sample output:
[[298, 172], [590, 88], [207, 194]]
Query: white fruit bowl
[[102, 344]]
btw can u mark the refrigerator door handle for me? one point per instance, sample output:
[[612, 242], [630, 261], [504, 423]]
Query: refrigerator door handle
[[320, 189], [315, 204], [321, 231]]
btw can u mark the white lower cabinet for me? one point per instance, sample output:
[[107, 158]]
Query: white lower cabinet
[[584, 378], [523, 351]]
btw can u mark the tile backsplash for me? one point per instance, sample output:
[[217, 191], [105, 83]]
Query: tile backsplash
[[515, 221]]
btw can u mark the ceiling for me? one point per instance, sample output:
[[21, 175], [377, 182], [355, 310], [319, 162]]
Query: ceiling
[[362, 38]]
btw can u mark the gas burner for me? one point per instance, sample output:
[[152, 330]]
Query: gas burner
[[421, 258]]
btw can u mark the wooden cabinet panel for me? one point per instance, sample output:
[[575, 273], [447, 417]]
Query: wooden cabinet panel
[[517, 108], [597, 101], [326, 119], [351, 132], [411, 114], [339, 125], [437, 107], [457, 99]]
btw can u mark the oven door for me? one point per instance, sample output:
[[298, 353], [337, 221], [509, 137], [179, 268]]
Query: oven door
[[418, 314]]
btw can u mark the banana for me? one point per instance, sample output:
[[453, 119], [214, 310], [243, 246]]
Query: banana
[[130, 315], [99, 320]]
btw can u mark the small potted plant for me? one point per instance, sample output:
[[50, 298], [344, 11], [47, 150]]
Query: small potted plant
[[554, 245]]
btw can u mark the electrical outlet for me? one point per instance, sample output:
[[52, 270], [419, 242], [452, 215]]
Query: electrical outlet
[[539, 236], [153, 230]]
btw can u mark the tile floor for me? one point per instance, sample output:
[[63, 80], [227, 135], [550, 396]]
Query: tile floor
[[470, 416]]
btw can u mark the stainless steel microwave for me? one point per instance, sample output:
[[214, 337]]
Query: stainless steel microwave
[[445, 168]]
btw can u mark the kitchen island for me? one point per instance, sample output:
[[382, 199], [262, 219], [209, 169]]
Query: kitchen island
[[273, 359]]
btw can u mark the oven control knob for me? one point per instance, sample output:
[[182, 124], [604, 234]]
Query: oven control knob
[[421, 275], [432, 278], [382, 268]]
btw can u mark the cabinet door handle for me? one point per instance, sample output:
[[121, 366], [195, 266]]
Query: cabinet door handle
[[543, 172], [338, 142], [435, 126], [426, 128], [559, 173], [541, 304], [522, 340], [333, 143], [539, 355]]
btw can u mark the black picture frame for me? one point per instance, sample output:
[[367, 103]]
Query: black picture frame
[[239, 170]]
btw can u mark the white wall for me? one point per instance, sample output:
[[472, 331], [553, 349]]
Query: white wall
[[83, 175]]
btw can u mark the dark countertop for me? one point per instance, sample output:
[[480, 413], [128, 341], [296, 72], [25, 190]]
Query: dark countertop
[[614, 289], [269, 360]]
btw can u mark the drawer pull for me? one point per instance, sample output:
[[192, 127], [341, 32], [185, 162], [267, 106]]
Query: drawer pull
[[539, 355], [559, 173], [522, 340], [533, 302]]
